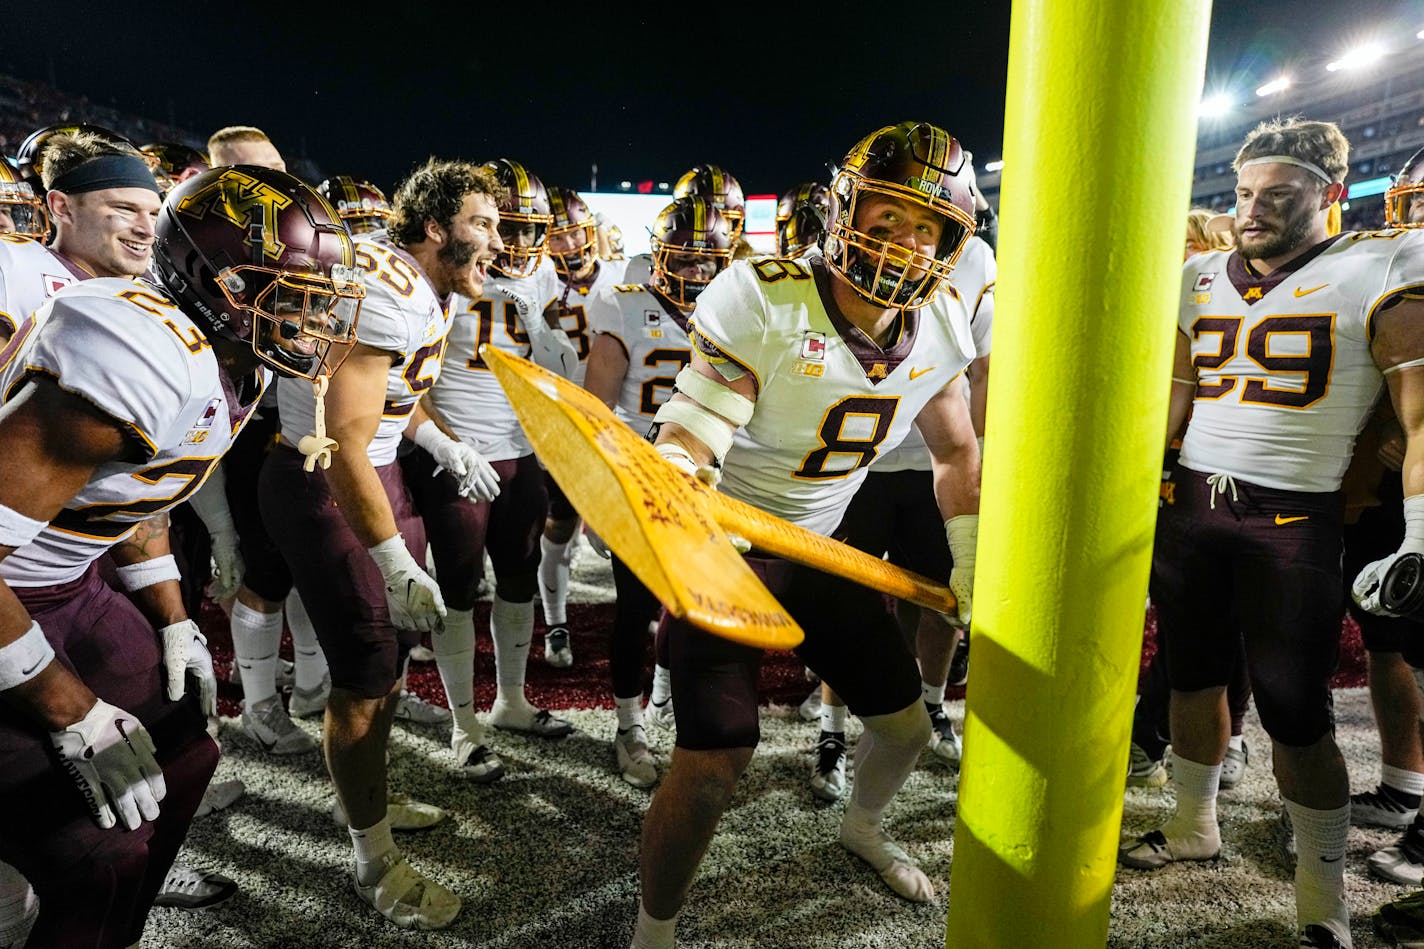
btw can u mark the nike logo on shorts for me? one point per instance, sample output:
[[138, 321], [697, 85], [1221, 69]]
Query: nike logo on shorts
[[1282, 520]]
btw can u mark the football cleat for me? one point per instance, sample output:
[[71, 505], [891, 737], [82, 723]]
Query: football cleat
[[408, 898], [268, 724], [1403, 862], [187, 888], [530, 720], [402, 811], [810, 707], [1151, 851], [1381, 807], [475, 759], [304, 703], [1144, 771], [413, 708], [219, 796], [661, 714], [556, 647], [828, 772], [944, 743], [635, 760]]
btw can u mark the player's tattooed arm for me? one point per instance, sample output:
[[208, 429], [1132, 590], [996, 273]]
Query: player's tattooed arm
[[161, 602]]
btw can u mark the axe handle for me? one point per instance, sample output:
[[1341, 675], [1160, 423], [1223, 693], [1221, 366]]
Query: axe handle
[[784, 539]]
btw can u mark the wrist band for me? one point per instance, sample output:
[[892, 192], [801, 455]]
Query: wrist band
[[25, 658], [146, 573]]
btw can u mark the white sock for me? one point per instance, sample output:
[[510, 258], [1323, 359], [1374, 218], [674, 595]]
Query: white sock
[[1402, 779], [455, 658], [630, 711], [662, 685], [932, 694], [833, 718], [1192, 832], [1238, 742], [255, 638], [652, 933], [19, 907], [371, 845], [512, 627], [310, 660], [1320, 866], [554, 579]]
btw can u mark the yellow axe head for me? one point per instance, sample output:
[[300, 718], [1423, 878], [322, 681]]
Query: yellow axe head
[[671, 529]]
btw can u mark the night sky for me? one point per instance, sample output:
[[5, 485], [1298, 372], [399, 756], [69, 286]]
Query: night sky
[[644, 91]]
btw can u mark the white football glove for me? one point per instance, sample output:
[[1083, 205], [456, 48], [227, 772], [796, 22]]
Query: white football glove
[[109, 754], [474, 477], [228, 567], [1370, 581], [186, 650], [549, 346], [412, 595], [962, 532]]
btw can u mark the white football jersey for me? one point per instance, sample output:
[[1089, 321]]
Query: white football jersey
[[973, 279], [638, 269], [128, 349], [573, 315], [401, 315], [653, 335], [468, 395], [30, 273], [1285, 379], [829, 400]]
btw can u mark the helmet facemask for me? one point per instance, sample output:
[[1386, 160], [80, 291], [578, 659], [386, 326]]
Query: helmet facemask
[[572, 262], [300, 324], [883, 272], [27, 210], [1404, 204], [520, 258], [683, 291]]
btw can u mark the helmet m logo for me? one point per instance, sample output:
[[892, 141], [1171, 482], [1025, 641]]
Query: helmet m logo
[[244, 202]]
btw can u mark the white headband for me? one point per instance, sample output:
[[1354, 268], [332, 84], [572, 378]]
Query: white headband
[[1314, 169]]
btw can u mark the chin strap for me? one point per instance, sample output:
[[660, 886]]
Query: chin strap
[[317, 447]]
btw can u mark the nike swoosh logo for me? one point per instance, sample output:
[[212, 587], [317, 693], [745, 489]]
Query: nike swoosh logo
[[551, 589], [1331, 859], [1301, 293], [523, 644], [916, 373], [26, 672], [1282, 519]]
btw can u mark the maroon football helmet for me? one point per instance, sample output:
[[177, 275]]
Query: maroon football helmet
[[912, 161], [255, 256], [524, 219], [30, 157], [28, 216], [360, 204], [1404, 201], [173, 163], [719, 186], [811, 193], [692, 243], [571, 218]]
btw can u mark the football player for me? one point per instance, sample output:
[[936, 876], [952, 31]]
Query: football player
[[244, 145], [573, 247], [893, 513], [1294, 319], [808, 194], [22, 212], [802, 372], [361, 204], [173, 163], [507, 515], [113, 387], [350, 533], [721, 188], [640, 344]]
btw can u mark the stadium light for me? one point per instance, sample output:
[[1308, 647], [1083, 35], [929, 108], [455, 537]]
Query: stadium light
[[1215, 106], [1279, 84], [625, 185], [1359, 57], [994, 165]]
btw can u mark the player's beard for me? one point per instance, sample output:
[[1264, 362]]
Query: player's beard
[[1289, 237], [456, 257]]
